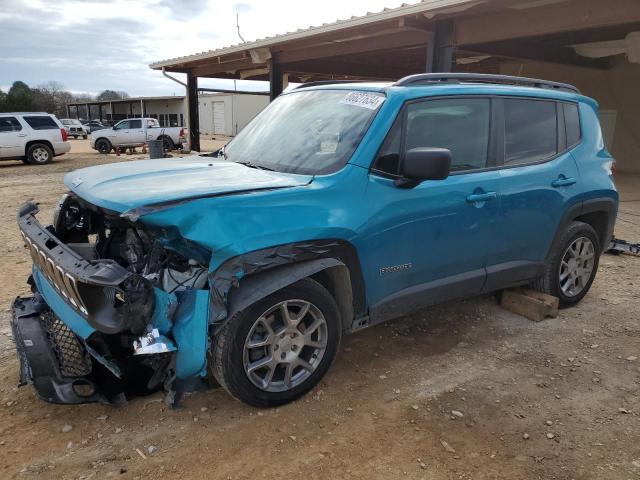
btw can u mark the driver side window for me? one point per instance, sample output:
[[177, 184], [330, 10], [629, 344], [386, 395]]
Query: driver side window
[[123, 125], [461, 125]]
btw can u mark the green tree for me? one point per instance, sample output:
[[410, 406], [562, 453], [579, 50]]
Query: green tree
[[3, 100], [19, 98], [112, 95]]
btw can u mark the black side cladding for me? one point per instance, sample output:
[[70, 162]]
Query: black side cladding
[[230, 273]]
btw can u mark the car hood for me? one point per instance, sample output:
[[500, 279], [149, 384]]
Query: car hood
[[103, 131], [131, 185]]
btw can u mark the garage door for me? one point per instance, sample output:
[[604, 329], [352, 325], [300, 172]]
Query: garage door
[[218, 118]]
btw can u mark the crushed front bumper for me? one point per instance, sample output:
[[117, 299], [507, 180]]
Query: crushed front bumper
[[51, 356], [75, 336]]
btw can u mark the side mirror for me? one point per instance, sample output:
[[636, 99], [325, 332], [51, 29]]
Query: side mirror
[[424, 163]]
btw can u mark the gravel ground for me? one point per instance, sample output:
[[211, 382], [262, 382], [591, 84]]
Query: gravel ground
[[463, 390]]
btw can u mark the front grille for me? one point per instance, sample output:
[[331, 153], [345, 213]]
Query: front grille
[[62, 281], [73, 360]]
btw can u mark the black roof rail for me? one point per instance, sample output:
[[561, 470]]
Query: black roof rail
[[434, 78], [327, 82]]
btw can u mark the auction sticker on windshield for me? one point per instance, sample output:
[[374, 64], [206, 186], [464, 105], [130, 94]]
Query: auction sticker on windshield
[[363, 99]]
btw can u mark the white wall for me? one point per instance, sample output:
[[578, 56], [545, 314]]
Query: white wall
[[240, 109], [615, 89]]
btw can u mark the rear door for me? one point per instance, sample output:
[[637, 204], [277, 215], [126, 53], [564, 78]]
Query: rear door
[[13, 137], [540, 181]]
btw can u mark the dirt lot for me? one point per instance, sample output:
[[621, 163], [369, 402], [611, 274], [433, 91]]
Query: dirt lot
[[552, 400]]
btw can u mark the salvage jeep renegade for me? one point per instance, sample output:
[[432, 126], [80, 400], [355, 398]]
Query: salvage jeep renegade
[[339, 207]]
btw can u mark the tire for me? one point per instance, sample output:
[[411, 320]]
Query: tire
[[167, 144], [231, 360], [39, 154], [84, 137], [75, 137], [103, 146], [581, 236]]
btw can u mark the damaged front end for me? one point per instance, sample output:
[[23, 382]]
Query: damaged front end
[[118, 309]]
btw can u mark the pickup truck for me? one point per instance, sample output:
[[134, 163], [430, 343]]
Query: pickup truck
[[134, 132]]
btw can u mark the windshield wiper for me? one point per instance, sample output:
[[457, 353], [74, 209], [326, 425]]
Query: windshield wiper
[[255, 165]]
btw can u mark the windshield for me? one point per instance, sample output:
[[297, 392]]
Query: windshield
[[306, 132]]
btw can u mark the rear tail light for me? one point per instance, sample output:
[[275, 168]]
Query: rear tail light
[[182, 132], [64, 134]]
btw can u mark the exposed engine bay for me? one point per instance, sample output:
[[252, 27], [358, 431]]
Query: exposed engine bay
[[127, 282]]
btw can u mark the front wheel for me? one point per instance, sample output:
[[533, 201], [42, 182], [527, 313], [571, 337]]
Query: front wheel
[[280, 347], [572, 265], [103, 146]]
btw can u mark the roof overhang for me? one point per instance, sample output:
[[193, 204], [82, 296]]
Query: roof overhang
[[485, 32]]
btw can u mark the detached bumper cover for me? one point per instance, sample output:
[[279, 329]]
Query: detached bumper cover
[[51, 357]]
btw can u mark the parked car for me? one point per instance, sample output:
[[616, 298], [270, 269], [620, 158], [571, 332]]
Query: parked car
[[33, 137], [134, 132], [339, 207], [94, 125], [74, 128]]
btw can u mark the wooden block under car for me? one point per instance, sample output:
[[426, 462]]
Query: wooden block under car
[[529, 303]]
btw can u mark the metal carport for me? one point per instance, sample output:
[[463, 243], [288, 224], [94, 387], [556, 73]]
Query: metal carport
[[433, 36]]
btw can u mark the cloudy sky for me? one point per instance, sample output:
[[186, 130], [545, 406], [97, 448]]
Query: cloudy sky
[[93, 45]]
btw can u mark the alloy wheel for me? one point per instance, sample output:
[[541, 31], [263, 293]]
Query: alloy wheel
[[576, 266], [40, 155], [285, 345]]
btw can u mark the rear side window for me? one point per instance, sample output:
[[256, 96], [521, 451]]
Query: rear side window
[[41, 122], [572, 123], [135, 124], [9, 124], [531, 131]]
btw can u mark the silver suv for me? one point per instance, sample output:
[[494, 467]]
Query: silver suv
[[33, 137]]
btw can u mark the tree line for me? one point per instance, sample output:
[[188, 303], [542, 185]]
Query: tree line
[[50, 97]]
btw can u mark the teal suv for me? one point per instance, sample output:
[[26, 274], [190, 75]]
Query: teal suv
[[341, 206]]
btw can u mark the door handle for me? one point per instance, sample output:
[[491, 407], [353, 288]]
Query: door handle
[[22, 135], [563, 182], [481, 197]]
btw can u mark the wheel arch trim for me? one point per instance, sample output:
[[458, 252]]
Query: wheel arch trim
[[606, 205], [246, 278]]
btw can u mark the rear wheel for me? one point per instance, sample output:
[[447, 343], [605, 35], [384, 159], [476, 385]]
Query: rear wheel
[[280, 347], [572, 265], [167, 144], [103, 146], [39, 154]]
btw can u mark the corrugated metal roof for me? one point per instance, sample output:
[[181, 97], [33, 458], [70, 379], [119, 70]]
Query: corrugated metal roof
[[424, 6]]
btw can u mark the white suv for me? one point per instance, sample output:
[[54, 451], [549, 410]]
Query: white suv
[[33, 137]]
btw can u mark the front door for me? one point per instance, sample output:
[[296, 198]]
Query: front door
[[431, 242], [130, 132], [13, 137]]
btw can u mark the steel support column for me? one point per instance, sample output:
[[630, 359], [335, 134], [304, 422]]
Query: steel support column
[[192, 112], [440, 48], [276, 84]]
